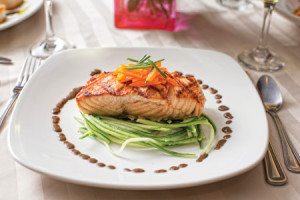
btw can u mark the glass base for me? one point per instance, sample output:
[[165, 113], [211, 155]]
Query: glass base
[[236, 4], [46, 48], [260, 60]]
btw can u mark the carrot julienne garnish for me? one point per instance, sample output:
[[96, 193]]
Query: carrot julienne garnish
[[143, 72], [297, 12]]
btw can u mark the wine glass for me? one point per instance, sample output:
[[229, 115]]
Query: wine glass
[[236, 4], [52, 43], [261, 58]]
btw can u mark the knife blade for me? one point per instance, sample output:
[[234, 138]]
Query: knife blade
[[4, 60]]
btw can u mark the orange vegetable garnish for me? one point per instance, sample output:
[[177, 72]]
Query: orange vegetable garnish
[[143, 74], [297, 12], [152, 75]]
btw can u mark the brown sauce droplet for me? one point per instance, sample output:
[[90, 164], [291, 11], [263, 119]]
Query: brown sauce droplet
[[160, 171], [226, 136], [174, 168], [111, 167], [204, 87], [227, 130], [57, 128], [217, 96], [93, 160], [77, 90], [71, 95], [223, 108], [55, 119], [189, 75], [56, 111], [183, 165], [200, 81], [60, 104], [76, 152], [219, 101], [179, 73], [62, 137], [220, 144], [213, 91], [228, 122], [138, 170], [70, 145], [127, 169], [64, 101], [101, 164], [228, 115], [95, 71], [202, 157], [84, 156]]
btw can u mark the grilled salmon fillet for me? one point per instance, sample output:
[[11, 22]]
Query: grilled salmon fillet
[[105, 95]]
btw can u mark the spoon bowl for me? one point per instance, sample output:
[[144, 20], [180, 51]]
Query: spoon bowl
[[270, 93], [272, 100]]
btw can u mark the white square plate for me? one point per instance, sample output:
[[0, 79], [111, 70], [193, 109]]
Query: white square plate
[[34, 144]]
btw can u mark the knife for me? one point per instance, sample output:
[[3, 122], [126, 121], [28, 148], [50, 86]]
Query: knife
[[4, 60]]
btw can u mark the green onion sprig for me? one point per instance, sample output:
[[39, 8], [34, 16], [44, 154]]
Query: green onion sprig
[[154, 65]]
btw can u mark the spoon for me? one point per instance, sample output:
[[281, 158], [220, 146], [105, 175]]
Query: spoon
[[275, 175], [272, 99]]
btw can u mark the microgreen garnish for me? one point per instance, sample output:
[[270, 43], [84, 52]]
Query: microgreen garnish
[[146, 63], [153, 64], [140, 62], [159, 60], [133, 60]]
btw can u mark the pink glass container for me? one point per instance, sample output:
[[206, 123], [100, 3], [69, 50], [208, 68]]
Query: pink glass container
[[145, 14]]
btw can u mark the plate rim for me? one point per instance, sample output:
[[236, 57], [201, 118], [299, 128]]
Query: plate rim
[[36, 5], [122, 185], [281, 7]]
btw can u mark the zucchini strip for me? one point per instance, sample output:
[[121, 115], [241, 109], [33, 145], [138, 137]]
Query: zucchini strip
[[175, 125], [143, 133]]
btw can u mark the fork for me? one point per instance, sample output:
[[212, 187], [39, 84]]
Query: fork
[[27, 70]]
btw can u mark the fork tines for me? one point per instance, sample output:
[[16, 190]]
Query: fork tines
[[27, 70]]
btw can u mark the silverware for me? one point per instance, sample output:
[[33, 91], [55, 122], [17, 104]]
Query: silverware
[[27, 70], [272, 99], [4, 60], [274, 172]]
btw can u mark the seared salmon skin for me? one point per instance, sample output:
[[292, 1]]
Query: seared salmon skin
[[104, 95]]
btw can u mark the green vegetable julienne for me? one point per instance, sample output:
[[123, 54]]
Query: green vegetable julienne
[[154, 65], [146, 133]]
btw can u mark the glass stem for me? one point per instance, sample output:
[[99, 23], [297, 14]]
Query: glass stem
[[268, 7], [49, 27]]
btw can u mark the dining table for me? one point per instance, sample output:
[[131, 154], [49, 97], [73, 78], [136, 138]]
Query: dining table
[[201, 24]]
